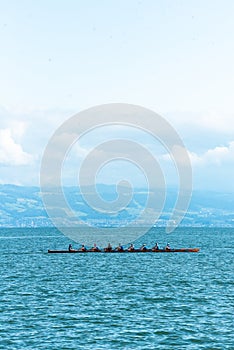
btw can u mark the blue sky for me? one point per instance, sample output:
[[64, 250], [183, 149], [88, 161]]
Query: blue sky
[[174, 57]]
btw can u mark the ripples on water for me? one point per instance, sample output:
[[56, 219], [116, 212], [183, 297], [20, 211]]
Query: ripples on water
[[116, 301]]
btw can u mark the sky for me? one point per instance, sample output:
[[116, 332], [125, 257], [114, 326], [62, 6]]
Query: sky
[[173, 57]]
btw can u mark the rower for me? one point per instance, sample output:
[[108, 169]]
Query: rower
[[95, 248], [70, 247], [168, 247], [83, 248], [131, 248], [143, 247], [108, 248], [119, 248], [156, 247]]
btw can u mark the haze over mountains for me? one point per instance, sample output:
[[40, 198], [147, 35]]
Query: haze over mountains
[[22, 206]]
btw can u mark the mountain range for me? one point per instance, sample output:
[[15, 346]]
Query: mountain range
[[22, 206]]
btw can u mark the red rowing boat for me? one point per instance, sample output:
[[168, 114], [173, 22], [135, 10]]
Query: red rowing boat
[[179, 250]]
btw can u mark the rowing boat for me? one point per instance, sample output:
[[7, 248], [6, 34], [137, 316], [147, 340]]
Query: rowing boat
[[179, 250]]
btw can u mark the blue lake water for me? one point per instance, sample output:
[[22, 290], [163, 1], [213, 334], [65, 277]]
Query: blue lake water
[[117, 301]]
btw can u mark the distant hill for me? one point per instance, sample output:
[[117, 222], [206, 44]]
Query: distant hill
[[23, 207]]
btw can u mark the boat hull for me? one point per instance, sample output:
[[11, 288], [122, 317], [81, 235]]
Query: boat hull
[[180, 250]]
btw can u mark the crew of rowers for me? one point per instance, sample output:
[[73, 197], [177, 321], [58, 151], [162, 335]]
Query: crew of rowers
[[120, 248]]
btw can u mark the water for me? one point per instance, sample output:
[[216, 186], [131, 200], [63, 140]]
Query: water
[[116, 301]]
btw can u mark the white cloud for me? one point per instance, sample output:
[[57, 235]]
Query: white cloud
[[11, 153], [194, 158], [219, 155], [18, 129], [29, 132]]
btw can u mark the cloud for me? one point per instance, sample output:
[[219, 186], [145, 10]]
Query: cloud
[[23, 138], [219, 155], [11, 153], [18, 129]]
